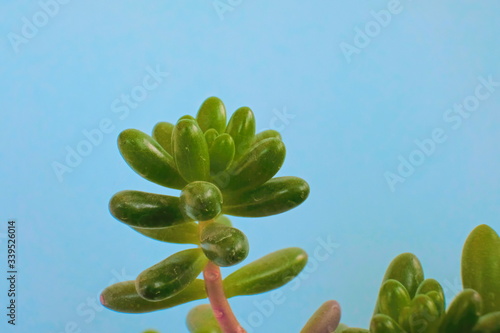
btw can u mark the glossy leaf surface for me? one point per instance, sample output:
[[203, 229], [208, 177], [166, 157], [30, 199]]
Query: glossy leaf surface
[[149, 159], [259, 165], [221, 153], [191, 151], [201, 201], [266, 135], [481, 266], [393, 298], [212, 114], [407, 269], [170, 276], [146, 210], [274, 197], [267, 273], [162, 133], [463, 313], [123, 297], [241, 127], [224, 246]]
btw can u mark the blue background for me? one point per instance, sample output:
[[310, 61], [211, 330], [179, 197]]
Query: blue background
[[352, 120]]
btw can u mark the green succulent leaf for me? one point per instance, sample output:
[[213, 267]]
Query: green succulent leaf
[[123, 297], [210, 137], [424, 316], [266, 135], [212, 114], [381, 323], [481, 266], [224, 246], [185, 233], [201, 319], [241, 127], [191, 151], [259, 165], [146, 210], [439, 301], [463, 313], [326, 319], [162, 133], [392, 299], [407, 269], [170, 276], [434, 290], [274, 197], [221, 153], [148, 158], [267, 273], [489, 323], [188, 117], [201, 201]]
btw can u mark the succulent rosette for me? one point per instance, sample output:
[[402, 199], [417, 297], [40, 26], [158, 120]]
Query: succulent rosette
[[409, 303], [221, 168]]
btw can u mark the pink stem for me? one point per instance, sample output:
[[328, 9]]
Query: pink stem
[[220, 306]]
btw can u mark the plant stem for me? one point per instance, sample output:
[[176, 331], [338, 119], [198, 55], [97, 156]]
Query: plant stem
[[218, 301]]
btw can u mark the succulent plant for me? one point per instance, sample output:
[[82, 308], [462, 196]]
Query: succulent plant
[[220, 169], [408, 303]]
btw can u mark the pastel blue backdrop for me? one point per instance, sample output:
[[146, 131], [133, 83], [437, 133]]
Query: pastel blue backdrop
[[354, 87]]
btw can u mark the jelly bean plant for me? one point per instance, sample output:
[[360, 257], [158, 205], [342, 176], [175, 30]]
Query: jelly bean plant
[[408, 303], [221, 168]]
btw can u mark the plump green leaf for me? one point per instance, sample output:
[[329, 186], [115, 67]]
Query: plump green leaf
[[481, 266], [325, 320], [191, 151], [188, 117], [210, 137], [201, 201], [489, 323], [424, 316], [201, 319], [392, 299], [221, 153], [224, 246], [149, 159], [162, 133], [439, 301], [170, 276], [384, 324], [146, 210], [185, 233], [267, 273], [276, 196], [241, 127], [407, 269], [433, 289], [123, 297], [266, 135], [463, 313], [212, 114], [259, 165]]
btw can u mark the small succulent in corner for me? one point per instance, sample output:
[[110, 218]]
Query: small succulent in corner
[[408, 303], [221, 169]]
